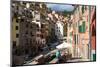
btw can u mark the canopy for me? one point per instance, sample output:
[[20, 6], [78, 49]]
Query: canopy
[[64, 45]]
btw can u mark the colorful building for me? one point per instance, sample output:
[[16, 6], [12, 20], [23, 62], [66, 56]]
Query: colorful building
[[81, 32], [93, 33], [29, 28]]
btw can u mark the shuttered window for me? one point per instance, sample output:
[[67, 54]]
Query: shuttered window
[[82, 28], [70, 33]]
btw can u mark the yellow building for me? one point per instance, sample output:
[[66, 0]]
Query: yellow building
[[15, 31]]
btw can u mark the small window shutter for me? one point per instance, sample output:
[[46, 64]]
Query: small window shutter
[[82, 28], [83, 25], [75, 38]]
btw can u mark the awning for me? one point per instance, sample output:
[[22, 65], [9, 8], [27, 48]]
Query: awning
[[64, 45]]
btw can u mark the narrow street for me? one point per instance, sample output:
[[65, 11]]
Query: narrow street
[[48, 54]]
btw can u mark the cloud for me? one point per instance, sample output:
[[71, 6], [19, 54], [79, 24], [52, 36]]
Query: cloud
[[60, 7]]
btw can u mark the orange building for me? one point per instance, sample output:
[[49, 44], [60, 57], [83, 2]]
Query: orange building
[[81, 38]]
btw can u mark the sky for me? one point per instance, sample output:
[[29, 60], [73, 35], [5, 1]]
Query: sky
[[60, 7]]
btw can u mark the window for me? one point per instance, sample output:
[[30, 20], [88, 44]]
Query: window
[[22, 20], [16, 27], [65, 30], [58, 30], [37, 20], [82, 28], [17, 20], [31, 26], [14, 44], [70, 33], [38, 35], [26, 25], [17, 7], [57, 27], [37, 25], [42, 36], [30, 42], [82, 9], [38, 29], [42, 26], [93, 31], [75, 38], [26, 32], [31, 33], [17, 35], [26, 41]]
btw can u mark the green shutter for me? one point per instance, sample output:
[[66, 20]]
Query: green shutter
[[82, 9], [82, 28], [83, 25], [94, 57]]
